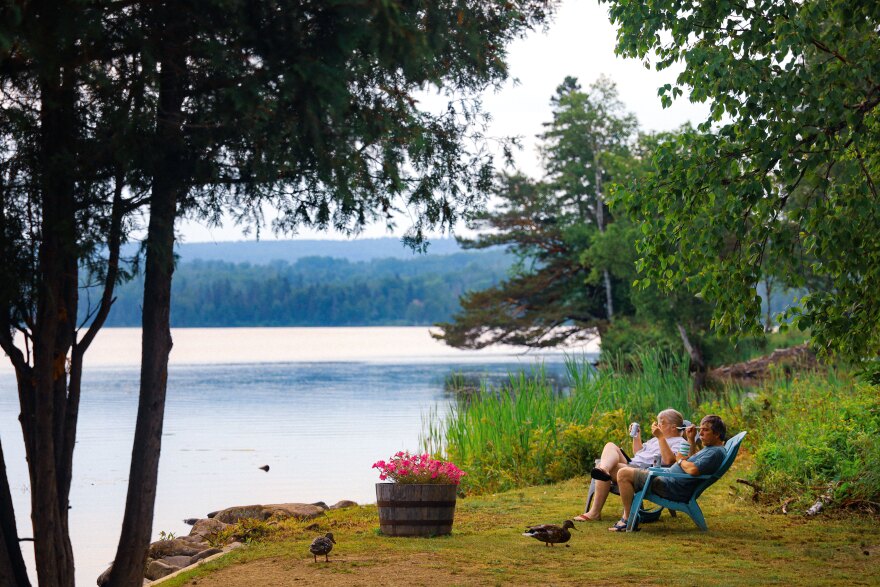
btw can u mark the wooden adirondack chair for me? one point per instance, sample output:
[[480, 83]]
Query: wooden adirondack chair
[[690, 508]]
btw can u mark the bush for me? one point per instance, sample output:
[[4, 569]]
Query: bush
[[816, 432]]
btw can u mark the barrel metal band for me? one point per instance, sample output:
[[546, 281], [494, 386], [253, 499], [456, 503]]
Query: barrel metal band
[[415, 522], [415, 504]]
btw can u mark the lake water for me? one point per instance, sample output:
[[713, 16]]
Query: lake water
[[318, 405]]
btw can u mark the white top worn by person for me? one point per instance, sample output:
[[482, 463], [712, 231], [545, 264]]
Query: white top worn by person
[[645, 453]]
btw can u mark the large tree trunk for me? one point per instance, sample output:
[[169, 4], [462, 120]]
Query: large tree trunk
[[698, 365], [768, 319], [156, 335], [600, 222], [44, 411], [12, 568]]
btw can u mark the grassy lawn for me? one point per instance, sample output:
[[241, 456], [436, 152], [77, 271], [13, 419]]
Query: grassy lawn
[[746, 545]]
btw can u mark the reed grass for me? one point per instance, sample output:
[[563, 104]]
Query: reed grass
[[525, 433]]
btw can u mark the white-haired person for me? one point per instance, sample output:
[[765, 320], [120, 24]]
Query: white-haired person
[[666, 443]]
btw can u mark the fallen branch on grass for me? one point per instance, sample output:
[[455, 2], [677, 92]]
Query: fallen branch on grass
[[755, 487]]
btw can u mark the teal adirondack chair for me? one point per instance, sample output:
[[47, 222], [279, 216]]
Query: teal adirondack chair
[[690, 508]]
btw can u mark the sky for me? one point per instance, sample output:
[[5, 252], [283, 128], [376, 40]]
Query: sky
[[579, 42]]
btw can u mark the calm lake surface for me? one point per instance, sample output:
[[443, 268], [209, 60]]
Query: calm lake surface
[[318, 405]]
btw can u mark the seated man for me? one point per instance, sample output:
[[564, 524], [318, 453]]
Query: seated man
[[666, 442], [705, 462]]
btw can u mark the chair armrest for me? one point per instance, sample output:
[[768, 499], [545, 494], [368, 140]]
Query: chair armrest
[[664, 472]]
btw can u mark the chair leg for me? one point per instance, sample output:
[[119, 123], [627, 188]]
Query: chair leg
[[696, 515], [590, 494], [634, 510]]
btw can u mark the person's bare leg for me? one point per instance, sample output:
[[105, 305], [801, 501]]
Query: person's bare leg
[[627, 491], [600, 495], [611, 457], [611, 461]]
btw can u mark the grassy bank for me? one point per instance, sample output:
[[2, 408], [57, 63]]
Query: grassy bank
[[526, 433], [746, 545], [812, 433]]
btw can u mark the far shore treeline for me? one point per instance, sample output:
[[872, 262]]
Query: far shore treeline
[[318, 290]]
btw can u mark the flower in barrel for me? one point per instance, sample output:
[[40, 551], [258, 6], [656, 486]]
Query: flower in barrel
[[404, 467]]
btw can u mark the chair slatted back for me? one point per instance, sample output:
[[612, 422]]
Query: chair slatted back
[[732, 448]]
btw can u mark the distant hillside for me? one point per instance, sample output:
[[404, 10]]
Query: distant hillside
[[315, 290], [263, 252]]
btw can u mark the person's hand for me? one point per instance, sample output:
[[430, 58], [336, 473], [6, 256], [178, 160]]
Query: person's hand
[[655, 430], [691, 433]]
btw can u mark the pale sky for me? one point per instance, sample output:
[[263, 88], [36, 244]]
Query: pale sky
[[579, 42]]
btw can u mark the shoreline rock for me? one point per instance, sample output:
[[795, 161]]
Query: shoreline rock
[[166, 557]]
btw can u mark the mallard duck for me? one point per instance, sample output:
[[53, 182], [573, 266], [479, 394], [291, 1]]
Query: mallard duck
[[550, 534], [322, 545]]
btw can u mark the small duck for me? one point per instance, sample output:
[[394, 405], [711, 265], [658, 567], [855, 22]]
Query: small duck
[[322, 545], [551, 534]]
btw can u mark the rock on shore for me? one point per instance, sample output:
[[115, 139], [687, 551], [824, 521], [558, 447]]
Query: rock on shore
[[171, 555]]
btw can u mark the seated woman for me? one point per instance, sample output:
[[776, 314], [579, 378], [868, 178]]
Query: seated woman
[[666, 442]]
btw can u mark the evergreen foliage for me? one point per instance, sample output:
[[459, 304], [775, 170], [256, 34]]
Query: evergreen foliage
[[319, 291], [546, 300]]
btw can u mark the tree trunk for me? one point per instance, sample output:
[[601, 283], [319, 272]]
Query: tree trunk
[[43, 412], [698, 365], [156, 335], [768, 321], [600, 222], [12, 569]]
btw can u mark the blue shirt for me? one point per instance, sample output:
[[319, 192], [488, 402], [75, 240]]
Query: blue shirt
[[707, 461]]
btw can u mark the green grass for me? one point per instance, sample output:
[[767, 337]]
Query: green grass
[[746, 545]]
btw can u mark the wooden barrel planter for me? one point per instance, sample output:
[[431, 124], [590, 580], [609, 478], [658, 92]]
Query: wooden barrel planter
[[415, 509]]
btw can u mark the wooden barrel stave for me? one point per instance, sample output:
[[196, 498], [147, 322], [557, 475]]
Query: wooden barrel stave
[[415, 509]]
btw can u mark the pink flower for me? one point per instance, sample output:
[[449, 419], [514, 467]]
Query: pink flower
[[404, 467]]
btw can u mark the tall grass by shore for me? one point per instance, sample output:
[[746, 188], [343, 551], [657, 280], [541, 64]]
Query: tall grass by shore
[[525, 433], [812, 433]]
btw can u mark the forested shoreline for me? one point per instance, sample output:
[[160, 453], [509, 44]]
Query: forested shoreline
[[318, 291]]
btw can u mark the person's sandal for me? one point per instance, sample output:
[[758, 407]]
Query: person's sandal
[[600, 474], [585, 518], [620, 526]]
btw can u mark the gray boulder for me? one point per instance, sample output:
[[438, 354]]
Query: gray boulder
[[241, 512], [300, 511], [207, 528], [178, 561], [175, 547], [345, 503], [205, 554], [158, 569]]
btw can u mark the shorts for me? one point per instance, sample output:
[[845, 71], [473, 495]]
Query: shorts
[[658, 484]]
